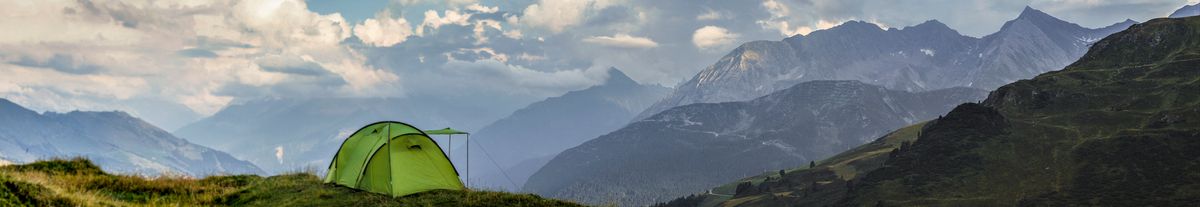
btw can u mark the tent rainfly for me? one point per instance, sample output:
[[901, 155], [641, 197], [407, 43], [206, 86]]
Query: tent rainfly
[[392, 158], [450, 133]]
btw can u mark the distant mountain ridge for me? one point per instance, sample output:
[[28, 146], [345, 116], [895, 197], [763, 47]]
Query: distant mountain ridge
[[115, 140], [923, 57], [1186, 11], [689, 148], [522, 142]]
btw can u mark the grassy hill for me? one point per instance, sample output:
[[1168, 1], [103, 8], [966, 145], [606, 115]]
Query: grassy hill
[[77, 182], [1117, 128]]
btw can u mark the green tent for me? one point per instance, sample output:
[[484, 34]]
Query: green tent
[[392, 158]]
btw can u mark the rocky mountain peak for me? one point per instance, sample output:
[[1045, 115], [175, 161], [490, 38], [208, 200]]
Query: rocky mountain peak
[[1030, 12], [856, 26], [1041, 20], [618, 78], [931, 24]]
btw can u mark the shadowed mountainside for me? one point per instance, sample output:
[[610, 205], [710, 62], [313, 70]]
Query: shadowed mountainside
[[689, 148]]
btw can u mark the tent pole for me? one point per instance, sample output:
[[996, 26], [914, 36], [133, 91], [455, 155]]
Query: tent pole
[[388, 128], [468, 159]]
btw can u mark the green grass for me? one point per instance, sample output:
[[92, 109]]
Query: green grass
[[77, 182]]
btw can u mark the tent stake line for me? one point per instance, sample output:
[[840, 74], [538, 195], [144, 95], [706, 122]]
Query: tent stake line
[[451, 132]]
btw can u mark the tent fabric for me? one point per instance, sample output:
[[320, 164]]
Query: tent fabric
[[392, 158], [445, 131]]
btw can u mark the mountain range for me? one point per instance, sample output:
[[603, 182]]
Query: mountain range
[[115, 140], [1114, 128], [282, 135], [689, 148], [923, 57], [522, 142]]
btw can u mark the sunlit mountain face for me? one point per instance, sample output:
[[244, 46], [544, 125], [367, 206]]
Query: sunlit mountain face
[[116, 141], [599, 102]]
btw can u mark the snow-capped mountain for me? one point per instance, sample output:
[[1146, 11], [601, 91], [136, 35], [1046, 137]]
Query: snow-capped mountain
[[115, 141], [923, 57]]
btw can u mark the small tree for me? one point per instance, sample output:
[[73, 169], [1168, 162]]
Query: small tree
[[744, 188], [812, 164], [781, 173], [849, 185]]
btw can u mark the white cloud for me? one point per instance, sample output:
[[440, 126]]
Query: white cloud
[[481, 27], [556, 16], [779, 13], [776, 9], [383, 30], [491, 74], [448, 2], [482, 9], [482, 52], [711, 15], [622, 41], [20, 79], [450, 17], [281, 24], [513, 34], [530, 57], [713, 37], [182, 52]]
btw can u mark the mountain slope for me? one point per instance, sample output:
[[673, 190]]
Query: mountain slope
[[282, 135], [1032, 44], [1114, 128], [525, 140], [689, 148], [927, 56], [1187, 11], [115, 140]]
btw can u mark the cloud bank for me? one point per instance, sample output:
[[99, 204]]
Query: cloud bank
[[172, 62]]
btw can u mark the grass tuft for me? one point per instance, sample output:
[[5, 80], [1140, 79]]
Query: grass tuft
[[76, 165]]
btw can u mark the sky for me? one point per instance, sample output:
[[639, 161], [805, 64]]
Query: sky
[[173, 62]]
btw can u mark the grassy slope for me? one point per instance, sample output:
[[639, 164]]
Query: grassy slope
[[77, 182]]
